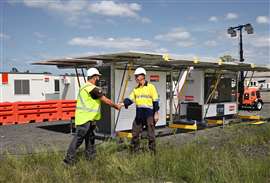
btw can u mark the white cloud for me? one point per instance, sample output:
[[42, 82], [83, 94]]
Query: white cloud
[[175, 34], [114, 9], [259, 41], [35, 4], [231, 16], [40, 41], [75, 12], [71, 6], [117, 43], [162, 50], [39, 35], [178, 35], [145, 20], [185, 44], [191, 56], [4, 36], [213, 19], [42, 38], [260, 56], [110, 8], [256, 47], [72, 11], [263, 20], [211, 43]]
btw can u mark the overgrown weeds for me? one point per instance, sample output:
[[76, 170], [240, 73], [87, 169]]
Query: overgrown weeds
[[242, 155]]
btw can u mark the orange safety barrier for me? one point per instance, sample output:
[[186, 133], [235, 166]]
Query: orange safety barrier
[[7, 113], [68, 109], [28, 112]]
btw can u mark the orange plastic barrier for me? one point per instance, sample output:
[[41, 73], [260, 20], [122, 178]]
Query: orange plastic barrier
[[68, 109], [7, 113], [29, 112]]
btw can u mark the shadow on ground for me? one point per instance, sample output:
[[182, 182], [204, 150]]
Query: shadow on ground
[[60, 128]]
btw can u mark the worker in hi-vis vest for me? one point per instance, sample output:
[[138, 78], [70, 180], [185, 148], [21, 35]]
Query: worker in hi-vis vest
[[87, 113], [146, 98]]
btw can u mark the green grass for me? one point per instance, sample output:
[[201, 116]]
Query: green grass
[[236, 154]]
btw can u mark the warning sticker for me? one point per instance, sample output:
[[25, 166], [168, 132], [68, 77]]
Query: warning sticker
[[189, 98], [46, 79], [154, 78], [232, 108]]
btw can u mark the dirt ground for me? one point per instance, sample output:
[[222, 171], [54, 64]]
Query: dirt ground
[[38, 137]]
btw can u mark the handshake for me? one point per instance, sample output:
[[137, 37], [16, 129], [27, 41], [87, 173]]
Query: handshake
[[119, 106]]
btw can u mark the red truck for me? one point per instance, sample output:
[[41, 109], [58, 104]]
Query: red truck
[[252, 99]]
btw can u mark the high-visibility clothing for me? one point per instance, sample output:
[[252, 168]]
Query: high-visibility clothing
[[144, 96], [87, 108]]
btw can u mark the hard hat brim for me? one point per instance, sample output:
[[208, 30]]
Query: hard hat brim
[[94, 75]]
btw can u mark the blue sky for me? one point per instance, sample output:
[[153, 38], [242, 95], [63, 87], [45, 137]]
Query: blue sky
[[33, 30]]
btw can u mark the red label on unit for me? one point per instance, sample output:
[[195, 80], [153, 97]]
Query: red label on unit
[[231, 107], [46, 79], [154, 78], [189, 98], [4, 78]]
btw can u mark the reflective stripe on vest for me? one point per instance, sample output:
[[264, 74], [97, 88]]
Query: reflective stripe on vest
[[84, 106], [144, 106], [87, 108], [144, 96]]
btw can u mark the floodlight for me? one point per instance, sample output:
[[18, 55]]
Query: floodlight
[[249, 28], [233, 34], [230, 30]]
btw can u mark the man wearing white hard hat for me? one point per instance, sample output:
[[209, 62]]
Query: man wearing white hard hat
[[87, 113], [146, 98]]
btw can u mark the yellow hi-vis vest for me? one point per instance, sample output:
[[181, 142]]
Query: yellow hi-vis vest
[[87, 108], [144, 96]]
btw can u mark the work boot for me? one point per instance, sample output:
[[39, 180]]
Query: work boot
[[90, 155], [69, 160], [153, 152], [152, 147], [134, 147]]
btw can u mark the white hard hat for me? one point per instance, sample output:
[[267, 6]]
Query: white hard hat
[[140, 70], [93, 71]]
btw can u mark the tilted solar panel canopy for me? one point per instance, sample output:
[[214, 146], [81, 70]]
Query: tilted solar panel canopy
[[149, 60]]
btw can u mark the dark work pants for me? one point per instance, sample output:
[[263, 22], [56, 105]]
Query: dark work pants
[[83, 132], [137, 128]]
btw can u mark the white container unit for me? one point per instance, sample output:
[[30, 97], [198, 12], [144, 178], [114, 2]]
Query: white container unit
[[199, 84], [16, 87]]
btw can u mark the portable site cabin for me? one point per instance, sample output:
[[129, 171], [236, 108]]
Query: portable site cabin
[[208, 94], [118, 81], [20, 86]]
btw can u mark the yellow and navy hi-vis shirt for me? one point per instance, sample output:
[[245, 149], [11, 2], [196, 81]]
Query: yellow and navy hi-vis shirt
[[146, 99]]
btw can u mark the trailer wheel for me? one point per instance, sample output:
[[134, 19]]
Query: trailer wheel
[[259, 105]]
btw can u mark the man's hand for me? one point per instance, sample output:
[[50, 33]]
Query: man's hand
[[110, 103], [118, 106], [156, 117]]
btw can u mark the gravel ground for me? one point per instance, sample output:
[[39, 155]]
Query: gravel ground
[[35, 136], [38, 137]]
